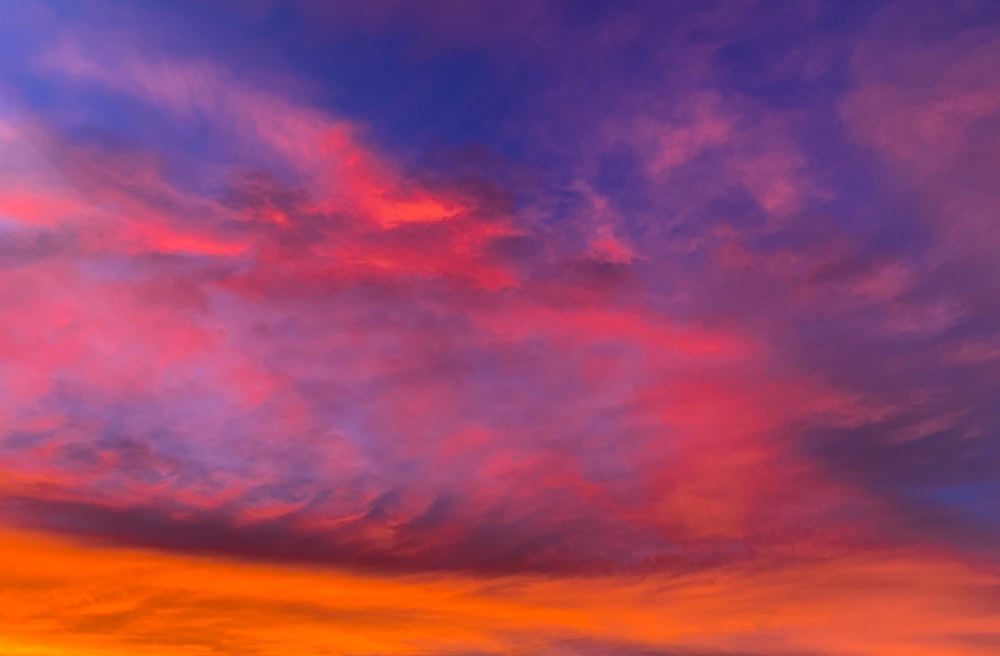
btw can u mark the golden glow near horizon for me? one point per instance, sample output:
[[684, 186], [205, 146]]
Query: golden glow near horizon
[[62, 598]]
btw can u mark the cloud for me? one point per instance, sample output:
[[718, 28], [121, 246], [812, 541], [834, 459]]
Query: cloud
[[347, 334], [325, 341], [693, 312], [74, 597]]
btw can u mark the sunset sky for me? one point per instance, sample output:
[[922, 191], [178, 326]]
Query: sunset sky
[[500, 328]]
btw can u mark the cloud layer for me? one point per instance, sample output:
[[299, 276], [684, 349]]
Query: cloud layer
[[700, 293]]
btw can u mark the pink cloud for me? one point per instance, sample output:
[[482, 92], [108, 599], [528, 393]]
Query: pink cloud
[[685, 346], [931, 111], [340, 362]]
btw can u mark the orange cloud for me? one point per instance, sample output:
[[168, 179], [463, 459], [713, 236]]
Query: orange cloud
[[70, 599]]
